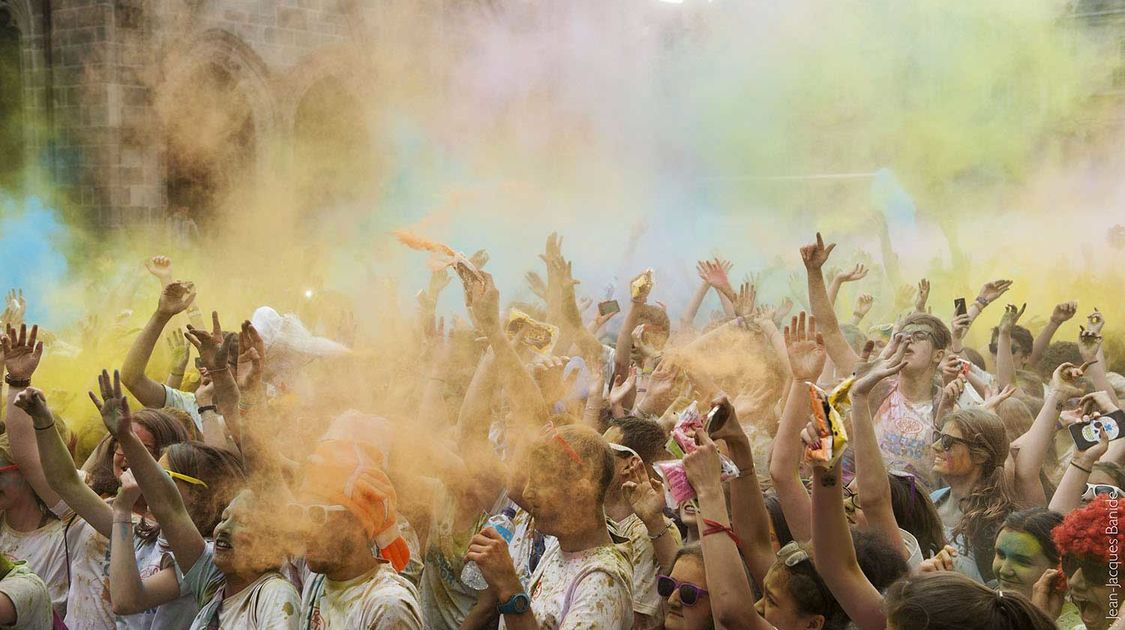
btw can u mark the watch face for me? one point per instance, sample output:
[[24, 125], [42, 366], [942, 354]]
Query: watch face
[[521, 603]]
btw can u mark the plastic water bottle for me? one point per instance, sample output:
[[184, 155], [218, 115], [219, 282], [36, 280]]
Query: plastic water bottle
[[502, 523]]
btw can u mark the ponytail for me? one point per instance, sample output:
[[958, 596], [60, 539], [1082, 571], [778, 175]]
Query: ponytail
[[951, 601]]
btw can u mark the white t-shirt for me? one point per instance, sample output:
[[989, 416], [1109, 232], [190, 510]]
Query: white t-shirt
[[269, 603], [88, 604], [30, 598], [152, 556], [184, 401], [45, 551], [377, 600], [642, 555], [583, 590]]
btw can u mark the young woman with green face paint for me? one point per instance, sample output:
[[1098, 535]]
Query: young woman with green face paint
[[1024, 549]]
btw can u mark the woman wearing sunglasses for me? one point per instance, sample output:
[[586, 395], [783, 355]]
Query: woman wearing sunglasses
[[689, 607], [970, 452]]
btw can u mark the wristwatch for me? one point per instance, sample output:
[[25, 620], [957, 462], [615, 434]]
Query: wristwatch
[[517, 605]]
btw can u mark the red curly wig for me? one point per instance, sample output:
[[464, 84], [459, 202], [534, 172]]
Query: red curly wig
[[1087, 532]]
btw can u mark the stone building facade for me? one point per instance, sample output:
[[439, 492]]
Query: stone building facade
[[134, 108]]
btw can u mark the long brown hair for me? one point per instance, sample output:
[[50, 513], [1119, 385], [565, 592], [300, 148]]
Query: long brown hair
[[950, 601], [994, 496], [220, 469], [167, 427]]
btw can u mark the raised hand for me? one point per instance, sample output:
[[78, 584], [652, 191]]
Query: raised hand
[[715, 273], [15, 307], [479, 259], [178, 351], [645, 496], [806, 348], [991, 291], [1064, 312], [889, 363], [252, 354], [922, 296], [1010, 317], [863, 305], [537, 284], [953, 389], [127, 494], [702, 465], [1095, 321], [161, 267], [905, 295], [744, 302], [213, 347], [1064, 380], [21, 352], [1089, 344], [960, 326], [176, 298], [623, 388], [815, 255], [113, 405], [859, 272], [993, 403], [33, 403], [482, 300]]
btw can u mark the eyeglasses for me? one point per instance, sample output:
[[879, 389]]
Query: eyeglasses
[[1094, 570], [947, 441], [186, 478], [315, 514], [689, 593], [1094, 489], [918, 335]]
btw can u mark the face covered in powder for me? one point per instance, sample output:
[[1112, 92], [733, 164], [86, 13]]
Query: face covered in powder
[[1019, 561]]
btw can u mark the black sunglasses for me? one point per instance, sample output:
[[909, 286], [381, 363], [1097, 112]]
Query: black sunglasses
[[689, 593], [947, 441]]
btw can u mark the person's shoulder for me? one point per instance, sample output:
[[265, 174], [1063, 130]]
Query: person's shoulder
[[391, 601], [29, 596]]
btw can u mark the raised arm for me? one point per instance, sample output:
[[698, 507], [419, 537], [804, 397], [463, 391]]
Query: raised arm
[[175, 298], [178, 350], [688, 321], [160, 491], [1072, 486], [1059, 316], [128, 592], [483, 302], [747, 502], [855, 274], [806, 360], [1090, 347], [814, 257], [22, 353], [215, 350], [732, 599], [59, 467], [1005, 365], [862, 307], [623, 353], [1029, 451], [871, 470], [835, 554]]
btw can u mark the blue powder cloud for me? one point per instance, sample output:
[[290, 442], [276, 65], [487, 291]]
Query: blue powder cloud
[[32, 246]]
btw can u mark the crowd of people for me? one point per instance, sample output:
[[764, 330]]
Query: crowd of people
[[765, 469]]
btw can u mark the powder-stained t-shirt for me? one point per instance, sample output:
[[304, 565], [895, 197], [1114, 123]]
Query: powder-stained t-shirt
[[88, 605], [269, 603], [905, 432], [184, 401], [45, 551], [377, 600], [642, 555], [445, 599], [152, 556], [582, 590], [30, 598]]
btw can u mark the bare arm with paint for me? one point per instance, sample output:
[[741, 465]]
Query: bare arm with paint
[[814, 257], [1005, 365], [732, 599], [128, 592], [1029, 451], [174, 299], [835, 554], [749, 516], [1072, 486], [22, 353], [216, 350], [871, 470], [806, 359], [59, 467]]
